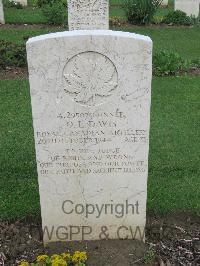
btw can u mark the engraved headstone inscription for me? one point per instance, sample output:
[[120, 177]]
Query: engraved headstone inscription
[[88, 14], [190, 7], [90, 95], [2, 21]]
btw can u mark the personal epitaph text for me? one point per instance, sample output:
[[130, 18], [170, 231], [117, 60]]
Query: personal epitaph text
[[88, 14], [90, 93]]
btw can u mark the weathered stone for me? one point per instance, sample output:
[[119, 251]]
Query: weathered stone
[[88, 14], [190, 7], [90, 93], [2, 21]]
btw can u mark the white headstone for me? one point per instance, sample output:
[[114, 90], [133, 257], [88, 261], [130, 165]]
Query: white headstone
[[190, 7], [91, 93], [22, 2], [88, 14], [164, 2], [2, 21]]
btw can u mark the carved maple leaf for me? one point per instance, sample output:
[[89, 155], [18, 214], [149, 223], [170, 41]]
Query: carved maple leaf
[[92, 75]]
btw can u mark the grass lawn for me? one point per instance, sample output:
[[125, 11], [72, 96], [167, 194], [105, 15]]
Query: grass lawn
[[182, 40], [174, 167]]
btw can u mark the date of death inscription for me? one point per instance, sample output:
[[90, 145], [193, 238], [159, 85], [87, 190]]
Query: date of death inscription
[[91, 146]]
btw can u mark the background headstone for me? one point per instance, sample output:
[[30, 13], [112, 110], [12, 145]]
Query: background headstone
[[164, 2], [88, 14], [190, 7], [2, 21], [22, 2], [90, 93]]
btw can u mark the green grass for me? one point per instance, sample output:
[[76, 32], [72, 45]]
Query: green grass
[[174, 167], [28, 15], [18, 185], [181, 40]]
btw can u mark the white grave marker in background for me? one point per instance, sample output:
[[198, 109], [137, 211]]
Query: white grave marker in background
[[22, 2], [190, 7], [2, 21], [164, 2], [91, 94], [88, 14]]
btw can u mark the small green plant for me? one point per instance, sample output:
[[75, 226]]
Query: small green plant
[[178, 18], [55, 13], [169, 63], [141, 11], [12, 54], [149, 256]]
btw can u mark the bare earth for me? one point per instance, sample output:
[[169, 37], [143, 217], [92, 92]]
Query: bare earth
[[174, 239]]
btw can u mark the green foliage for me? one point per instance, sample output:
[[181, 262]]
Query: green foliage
[[12, 54], [195, 63], [168, 63], [116, 21], [178, 18], [149, 256], [41, 3], [141, 11], [55, 13]]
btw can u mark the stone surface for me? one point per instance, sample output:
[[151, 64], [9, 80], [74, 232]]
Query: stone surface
[[164, 2], [2, 21], [88, 14], [22, 2], [190, 7], [90, 93]]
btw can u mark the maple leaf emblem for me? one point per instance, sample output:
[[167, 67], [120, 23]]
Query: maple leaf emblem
[[90, 77]]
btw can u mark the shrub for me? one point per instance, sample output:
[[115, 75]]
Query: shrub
[[116, 22], [12, 55], [41, 3], [168, 63], [55, 13], [141, 11], [177, 18]]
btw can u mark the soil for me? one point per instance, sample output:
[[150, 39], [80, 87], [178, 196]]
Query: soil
[[119, 23], [173, 239], [22, 73], [14, 73]]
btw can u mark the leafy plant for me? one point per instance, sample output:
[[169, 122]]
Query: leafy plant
[[149, 256], [12, 54], [116, 21], [55, 13], [41, 3], [141, 11], [168, 63], [178, 17], [195, 63]]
